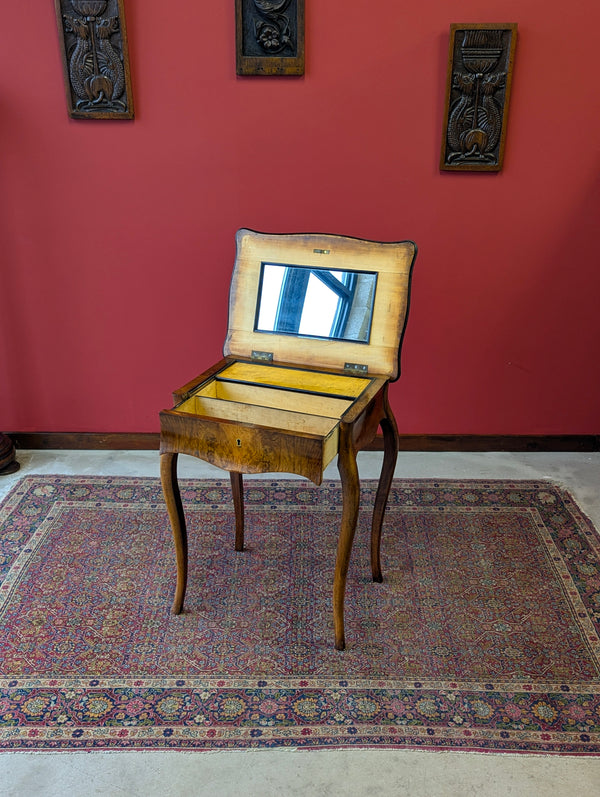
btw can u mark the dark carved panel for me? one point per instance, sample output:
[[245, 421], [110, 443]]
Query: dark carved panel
[[93, 40], [477, 92], [269, 37]]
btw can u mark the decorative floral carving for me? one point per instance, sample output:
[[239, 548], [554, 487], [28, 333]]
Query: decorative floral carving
[[269, 37], [273, 30], [476, 118], [479, 84], [95, 58]]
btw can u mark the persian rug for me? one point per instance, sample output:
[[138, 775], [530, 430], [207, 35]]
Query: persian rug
[[483, 635]]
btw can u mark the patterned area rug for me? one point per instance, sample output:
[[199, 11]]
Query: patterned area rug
[[483, 636]]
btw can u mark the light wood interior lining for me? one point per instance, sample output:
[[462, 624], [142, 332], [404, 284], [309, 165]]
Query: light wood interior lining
[[296, 379], [307, 403], [269, 417]]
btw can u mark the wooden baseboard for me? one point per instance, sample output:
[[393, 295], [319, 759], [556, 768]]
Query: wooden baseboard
[[78, 441], [149, 441], [516, 443]]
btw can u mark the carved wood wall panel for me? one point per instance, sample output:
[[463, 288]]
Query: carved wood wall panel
[[480, 67], [93, 39], [269, 37]]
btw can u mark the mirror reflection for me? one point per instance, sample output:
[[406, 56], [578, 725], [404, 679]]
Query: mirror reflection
[[316, 302]]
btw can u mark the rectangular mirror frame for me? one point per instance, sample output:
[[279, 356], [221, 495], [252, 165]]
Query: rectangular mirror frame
[[326, 276]]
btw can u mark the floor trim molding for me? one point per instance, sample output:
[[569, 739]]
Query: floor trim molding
[[149, 441]]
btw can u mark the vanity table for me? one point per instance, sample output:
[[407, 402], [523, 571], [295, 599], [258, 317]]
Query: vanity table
[[314, 335]]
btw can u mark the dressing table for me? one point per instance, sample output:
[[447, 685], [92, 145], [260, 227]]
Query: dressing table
[[315, 329]]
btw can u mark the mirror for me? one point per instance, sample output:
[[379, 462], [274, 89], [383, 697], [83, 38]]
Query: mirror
[[315, 302]]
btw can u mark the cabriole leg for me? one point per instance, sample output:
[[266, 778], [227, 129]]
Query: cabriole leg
[[237, 488], [350, 501], [168, 477], [390, 455]]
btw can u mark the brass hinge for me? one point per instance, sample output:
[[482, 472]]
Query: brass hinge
[[263, 356], [355, 368]]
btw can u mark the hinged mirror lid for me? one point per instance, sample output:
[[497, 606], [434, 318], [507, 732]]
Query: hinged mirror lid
[[320, 300]]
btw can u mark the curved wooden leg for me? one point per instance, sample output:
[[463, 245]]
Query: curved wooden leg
[[390, 455], [350, 498], [168, 477], [237, 489]]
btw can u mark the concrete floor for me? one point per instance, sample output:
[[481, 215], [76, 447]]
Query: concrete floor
[[280, 773]]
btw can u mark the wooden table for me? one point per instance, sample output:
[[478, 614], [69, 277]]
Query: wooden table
[[295, 408]]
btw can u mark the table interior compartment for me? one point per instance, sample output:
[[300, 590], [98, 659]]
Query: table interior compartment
[[318, 382], [261, 416], [259, 396]]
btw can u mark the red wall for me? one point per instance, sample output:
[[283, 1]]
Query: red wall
[[117, 238]]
